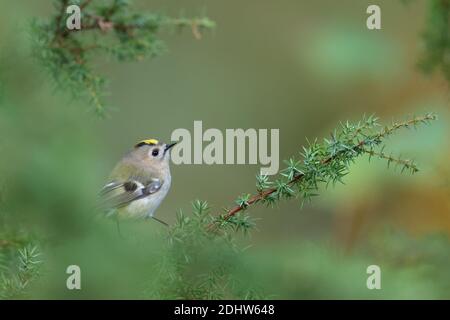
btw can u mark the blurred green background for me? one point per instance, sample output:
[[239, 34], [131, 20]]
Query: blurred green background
[[300, 66]]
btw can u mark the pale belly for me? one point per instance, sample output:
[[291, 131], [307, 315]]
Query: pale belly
[[145, 207]]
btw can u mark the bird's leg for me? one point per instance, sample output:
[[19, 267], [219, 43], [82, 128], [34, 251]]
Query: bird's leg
[[118, 228], [164, 223]]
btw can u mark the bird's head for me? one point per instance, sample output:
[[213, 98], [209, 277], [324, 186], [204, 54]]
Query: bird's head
[[153, 152]]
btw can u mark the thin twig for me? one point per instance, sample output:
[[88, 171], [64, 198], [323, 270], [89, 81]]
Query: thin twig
[[358, 147], [85, 4]]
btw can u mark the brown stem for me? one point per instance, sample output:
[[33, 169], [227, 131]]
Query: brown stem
[[59, 19], [7, 243], [258, 197], [383, 133], [85, 4]]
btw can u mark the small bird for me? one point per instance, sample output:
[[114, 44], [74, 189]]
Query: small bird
[[139, 182]]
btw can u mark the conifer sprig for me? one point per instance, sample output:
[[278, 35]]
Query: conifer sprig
[[125, 35], [202, 234], [15, 279], [327, 163]]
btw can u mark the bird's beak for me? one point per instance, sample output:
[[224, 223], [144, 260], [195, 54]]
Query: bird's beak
[[168, 146]]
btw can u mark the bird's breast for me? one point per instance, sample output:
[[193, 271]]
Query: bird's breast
[[146, 207]]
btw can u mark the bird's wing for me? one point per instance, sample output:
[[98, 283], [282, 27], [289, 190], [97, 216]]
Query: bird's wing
[[118, 194]]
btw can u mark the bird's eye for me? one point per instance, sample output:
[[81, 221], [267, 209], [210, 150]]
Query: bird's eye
[[155, 152]]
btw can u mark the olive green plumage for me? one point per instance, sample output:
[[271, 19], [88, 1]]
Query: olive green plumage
[[139, 182]]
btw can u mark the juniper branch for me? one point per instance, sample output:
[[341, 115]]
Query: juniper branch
[[14, 280], [406, 164], [124, 34], [326, 162], [204, 234]]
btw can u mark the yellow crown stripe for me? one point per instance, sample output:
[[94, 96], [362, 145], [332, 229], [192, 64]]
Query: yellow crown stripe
[[149, 141]]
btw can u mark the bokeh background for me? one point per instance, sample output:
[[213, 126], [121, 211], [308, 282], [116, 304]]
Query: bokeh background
[[300, 66]]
